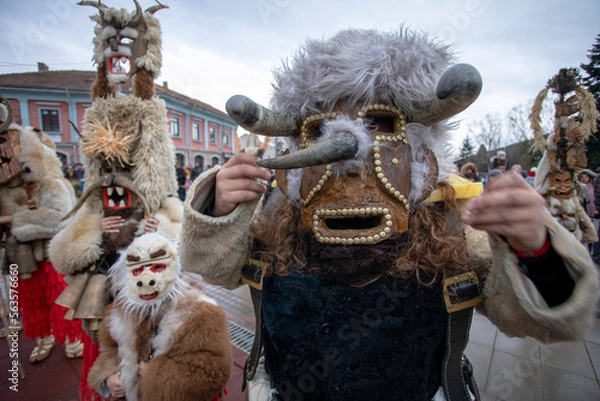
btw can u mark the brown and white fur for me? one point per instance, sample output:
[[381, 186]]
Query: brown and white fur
[[181, 335]]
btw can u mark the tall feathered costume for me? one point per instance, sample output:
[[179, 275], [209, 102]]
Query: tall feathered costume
[[35, 194], [564, 150], [160, 320], [129, 163], [365, 224]]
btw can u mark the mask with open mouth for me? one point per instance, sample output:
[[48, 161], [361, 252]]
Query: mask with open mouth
[[126, 42]]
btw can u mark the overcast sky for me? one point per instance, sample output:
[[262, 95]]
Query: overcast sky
[[215, 49]]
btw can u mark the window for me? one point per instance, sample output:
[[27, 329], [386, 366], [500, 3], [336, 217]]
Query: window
[[212, 132], [175, 127], [196, 132], [50, 120], [226, 134]]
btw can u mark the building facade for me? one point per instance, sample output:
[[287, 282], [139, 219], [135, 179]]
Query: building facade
[[54, 101]]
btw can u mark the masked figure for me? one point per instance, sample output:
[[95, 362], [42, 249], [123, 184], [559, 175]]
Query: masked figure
[[359, 258], [34, 197], [130, 185], [162, 338], [565, 151]]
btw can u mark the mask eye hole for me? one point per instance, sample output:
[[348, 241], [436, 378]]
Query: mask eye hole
[[137, 271], [382, 123], [127, 41], [314, 131], [158, 268]]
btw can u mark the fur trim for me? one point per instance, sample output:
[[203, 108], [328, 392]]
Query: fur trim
[[366, 67], [52, 194], [207, 240], [192, 350], [566, 322], [77, 245], [361, 66]]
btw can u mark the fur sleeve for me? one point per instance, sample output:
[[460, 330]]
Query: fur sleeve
[[44, 222], [512, 302], [170, 216], [108, 360], [78, 244], [198, 365], [215, 247]]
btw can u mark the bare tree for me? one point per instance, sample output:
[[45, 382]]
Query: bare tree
[[489, 131], [518, 123]]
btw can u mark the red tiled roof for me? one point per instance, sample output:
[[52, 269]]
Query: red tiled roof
[[81, 81]]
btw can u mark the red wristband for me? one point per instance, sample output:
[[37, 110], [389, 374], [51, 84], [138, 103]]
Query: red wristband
[[535, 254]]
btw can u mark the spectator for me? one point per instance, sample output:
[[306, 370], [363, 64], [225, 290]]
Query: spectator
[[470, 172], [180, 171], [586, 185], [500, 162], [196, 171], [531, 176]]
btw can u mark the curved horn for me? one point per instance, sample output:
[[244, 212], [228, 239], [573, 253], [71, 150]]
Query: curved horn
[[457, 89], [9, 114], [258, 119], [153, 9], [76, 129], [137, 17], [98, 4], [342, 146], [86, 193]]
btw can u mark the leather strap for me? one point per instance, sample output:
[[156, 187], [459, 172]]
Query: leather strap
[[457, 336], [253, 273], [461, 293]]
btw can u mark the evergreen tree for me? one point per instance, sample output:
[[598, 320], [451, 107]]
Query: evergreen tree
[[466, 149], [592, 84]]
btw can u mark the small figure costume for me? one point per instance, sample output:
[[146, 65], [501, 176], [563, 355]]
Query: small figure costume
[[128, 162], [35, 195], [565, 150], [359, 240], [161, 320]]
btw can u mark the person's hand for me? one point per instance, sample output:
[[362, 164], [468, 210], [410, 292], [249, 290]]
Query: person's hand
[[237, 182], [6, 219], [113, 382], [151, 225], [111, 224], [510, 207]]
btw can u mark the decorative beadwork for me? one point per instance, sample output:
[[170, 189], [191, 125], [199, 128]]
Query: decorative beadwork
[[317, 187], [378, 233], [399, 135]]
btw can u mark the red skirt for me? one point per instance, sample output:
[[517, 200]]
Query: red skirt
[[41, 316]]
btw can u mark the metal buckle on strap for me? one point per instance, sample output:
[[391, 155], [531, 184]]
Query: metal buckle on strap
[[253, 273], [462, 291]]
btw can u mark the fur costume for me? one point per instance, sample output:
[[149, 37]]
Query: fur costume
[[159, 318], [129, 162], [365, 224], [35, 194], [564, 151]]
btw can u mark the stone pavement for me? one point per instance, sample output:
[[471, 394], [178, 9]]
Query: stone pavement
[[506, 369]]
